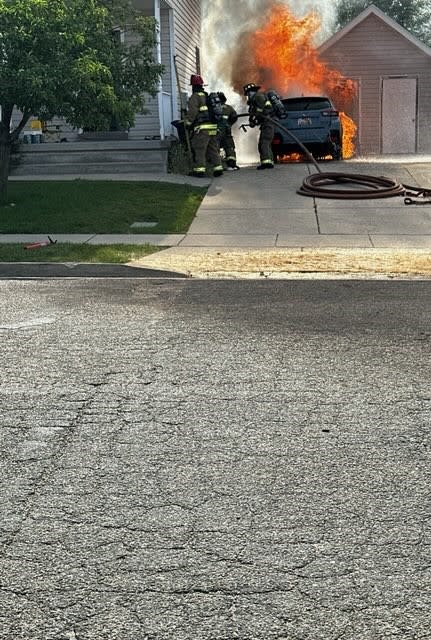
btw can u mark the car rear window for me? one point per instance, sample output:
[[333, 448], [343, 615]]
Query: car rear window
[[306, 104]]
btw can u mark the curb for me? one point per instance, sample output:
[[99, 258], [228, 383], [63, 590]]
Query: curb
[[24, 270]]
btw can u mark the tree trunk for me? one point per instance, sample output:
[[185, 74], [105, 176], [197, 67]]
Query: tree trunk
[[7, 139], [5, 151]]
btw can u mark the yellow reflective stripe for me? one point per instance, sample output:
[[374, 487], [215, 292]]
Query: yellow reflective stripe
[[207, 126], [204, 108], [268, 161]]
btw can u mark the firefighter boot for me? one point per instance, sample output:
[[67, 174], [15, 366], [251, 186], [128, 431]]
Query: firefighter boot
[[266, 165], [232, 165]]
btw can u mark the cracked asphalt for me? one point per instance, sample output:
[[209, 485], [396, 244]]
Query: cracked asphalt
[[215, 460]]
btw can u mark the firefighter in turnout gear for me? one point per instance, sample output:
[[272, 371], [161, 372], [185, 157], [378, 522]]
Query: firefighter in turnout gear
[[259, 105], [227, 142], [204, 140]]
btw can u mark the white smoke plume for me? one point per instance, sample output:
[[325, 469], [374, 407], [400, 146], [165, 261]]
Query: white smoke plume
[[223, 24]]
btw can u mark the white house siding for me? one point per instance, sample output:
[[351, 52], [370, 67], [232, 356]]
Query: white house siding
[[184, 16], [166, 51], [187, 34], [168, 79], [371, 51], [187, 39], [147, 125]]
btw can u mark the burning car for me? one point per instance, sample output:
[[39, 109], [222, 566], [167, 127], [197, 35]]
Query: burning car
[[315, 122]]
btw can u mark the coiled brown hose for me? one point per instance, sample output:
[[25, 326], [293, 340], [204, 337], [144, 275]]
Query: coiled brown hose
[[321, 185], [325, 185]]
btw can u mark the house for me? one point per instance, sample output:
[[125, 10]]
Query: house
[[179, 35], [392, 72], [180, 31], [145, 148]]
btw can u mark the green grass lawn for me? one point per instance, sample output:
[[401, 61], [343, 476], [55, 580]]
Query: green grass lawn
[[67, 252], [82, 206]]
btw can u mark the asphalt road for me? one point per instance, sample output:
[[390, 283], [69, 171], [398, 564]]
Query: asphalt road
[[212, 460]]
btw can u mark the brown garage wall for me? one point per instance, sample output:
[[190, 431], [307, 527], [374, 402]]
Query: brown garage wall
[[373, 48]]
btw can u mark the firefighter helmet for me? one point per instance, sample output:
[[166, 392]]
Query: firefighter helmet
[[196, 81], [250, 87], [222, 97]]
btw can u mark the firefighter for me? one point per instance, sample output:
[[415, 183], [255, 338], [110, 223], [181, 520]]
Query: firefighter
[[227, 142], [259, 106], [204, 140]]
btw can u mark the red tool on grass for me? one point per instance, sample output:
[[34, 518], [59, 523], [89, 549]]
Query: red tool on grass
[[43, 243]]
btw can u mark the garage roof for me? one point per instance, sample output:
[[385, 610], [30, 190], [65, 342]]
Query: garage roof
[[373, 10]]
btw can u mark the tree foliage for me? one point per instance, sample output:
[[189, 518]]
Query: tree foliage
[[64, 58], [413, 15]]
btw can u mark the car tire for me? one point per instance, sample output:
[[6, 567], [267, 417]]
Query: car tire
[[337, 154]]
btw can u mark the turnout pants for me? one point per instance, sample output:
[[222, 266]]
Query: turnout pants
[[265, 142], [205, 145], [227, 143]]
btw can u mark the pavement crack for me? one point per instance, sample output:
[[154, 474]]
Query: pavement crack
[[54, 460]]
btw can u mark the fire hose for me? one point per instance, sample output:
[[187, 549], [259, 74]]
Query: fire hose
[[325, 184]]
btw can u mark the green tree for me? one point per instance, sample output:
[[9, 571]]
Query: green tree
[[64, 58], [413, 15]]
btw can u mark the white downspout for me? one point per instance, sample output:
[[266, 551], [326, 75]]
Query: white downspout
[[159, 61], [174, 89]]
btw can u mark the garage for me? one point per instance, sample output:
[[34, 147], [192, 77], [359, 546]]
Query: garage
[[392, 72]]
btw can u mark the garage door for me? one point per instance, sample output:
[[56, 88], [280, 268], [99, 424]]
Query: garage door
[[399, 115]]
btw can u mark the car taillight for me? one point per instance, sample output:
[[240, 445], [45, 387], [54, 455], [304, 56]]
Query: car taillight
[[330, 113]]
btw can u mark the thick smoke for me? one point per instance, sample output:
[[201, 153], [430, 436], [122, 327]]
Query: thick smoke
[[228, 27]]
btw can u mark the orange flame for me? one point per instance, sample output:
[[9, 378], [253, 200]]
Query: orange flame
[[349, 133], [281, 55], [287, 59]]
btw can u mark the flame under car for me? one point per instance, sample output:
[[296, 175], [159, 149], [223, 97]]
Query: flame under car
[[315, 122]]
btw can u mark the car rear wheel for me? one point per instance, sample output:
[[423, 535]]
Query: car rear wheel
[[336, 148], [337, 153]]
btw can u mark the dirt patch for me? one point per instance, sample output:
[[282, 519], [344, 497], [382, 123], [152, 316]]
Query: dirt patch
[[291, 262]]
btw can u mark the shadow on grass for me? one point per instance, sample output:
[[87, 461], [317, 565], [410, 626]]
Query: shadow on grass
[[67, 252]]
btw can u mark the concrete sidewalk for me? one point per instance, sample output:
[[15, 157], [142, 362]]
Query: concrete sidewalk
[[261, 210]]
